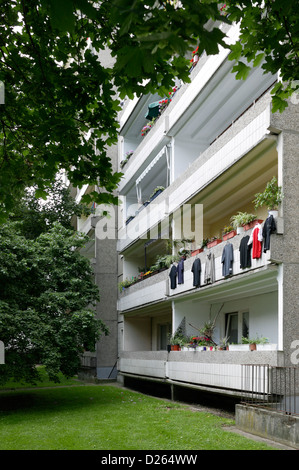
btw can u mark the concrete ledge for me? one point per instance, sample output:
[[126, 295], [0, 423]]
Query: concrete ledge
[[268, 424]]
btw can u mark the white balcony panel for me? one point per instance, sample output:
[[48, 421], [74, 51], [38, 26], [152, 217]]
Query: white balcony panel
[[210, 374], [142, 295], [150, 368]]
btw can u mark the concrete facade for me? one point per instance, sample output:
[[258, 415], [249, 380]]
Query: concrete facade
[[218, 143]]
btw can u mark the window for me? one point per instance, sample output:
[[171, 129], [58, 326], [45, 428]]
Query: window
[[236, 326], [163, 334]]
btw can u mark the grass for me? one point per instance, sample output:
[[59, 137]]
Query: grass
[[44, 382], [108, 417]]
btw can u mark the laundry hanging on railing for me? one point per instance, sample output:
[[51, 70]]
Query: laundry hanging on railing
[[245, 253], [269, 227], [227, 260], [196, 270]]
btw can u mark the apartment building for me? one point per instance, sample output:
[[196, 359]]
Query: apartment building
[[204, 158]]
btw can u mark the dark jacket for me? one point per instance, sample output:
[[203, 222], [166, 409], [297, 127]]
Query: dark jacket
[[196, 269], [269, 227], [173, 276]]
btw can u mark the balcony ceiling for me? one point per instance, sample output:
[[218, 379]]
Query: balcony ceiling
[[236, 187], [221, 101]]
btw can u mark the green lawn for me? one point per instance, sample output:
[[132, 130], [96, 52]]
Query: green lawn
[[107, 417]]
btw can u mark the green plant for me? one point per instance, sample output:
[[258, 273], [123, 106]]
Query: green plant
[[242, 218], [164, 261], [177, 339], [256, 340], [124, 284], [271, 197], [223, 343], [158, 188], [227, 229], [204, 242], [148, 127], [126, 159], [208, 329]]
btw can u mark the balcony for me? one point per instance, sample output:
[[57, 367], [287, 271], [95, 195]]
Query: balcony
[[242, 159], [214, 371], [261, 277]]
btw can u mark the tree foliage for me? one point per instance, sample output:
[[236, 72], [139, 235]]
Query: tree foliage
[[269, 35], [61, 100], [46, 288], [36, 215]]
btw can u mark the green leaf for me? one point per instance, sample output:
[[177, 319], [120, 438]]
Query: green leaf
[[62, 15], [242, 70], [40, 193]]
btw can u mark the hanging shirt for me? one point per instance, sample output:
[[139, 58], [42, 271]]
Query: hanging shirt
[[245, 253], [196, 270], [210, 268], [227, 260], [256, 239], [269, 227], [173, 276], [180, 271]]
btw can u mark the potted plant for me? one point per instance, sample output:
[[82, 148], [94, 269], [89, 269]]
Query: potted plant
[[266, 346], [228, 232], [213, 242], [158, 190], [223, 344], [240, 219], [196, 252], [204, 244], [252, 342], [271, 197], [176, 341], [124, 284]]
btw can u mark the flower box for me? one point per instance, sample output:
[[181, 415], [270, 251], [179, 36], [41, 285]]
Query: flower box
[[157, 192], [238, 347], [195, 252], [266, 347], [229, 235], [214, 242], [252, 224]]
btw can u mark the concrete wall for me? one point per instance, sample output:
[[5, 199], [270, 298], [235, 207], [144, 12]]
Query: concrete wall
[[286, 248], [268, 424]]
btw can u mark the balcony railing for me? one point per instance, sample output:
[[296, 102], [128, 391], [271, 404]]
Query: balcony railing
[[157, 286], [272, 388], [215, 369]]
